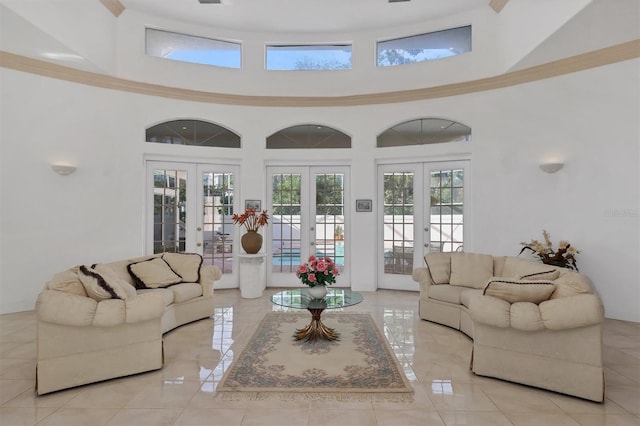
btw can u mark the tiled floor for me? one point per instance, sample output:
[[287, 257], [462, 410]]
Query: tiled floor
[[436, 360]]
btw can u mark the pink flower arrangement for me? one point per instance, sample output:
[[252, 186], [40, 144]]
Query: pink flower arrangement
[[318, 271]]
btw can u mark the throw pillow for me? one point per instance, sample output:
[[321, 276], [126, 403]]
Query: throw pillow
[[187, 265], [513, 291], [97, 287], [68, 282], [439, 267], [471, 269], [153, 273], [549, 275], [515, 267]]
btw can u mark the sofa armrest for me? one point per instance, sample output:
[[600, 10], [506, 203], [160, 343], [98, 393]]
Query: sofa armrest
[[556, 314], [70, 309], [208, 275], [572, 312], [422, 276]]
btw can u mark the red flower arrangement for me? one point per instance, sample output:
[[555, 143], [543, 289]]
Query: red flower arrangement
[[251, 220]]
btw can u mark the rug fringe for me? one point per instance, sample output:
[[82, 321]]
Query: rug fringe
[[316, 396]]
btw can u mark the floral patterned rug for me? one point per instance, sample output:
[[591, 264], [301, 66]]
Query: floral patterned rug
[[360, 363]]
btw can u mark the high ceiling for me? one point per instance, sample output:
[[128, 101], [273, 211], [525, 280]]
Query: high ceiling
[[283, 16]]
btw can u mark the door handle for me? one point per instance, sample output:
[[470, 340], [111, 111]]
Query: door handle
[[199, 244], [199, 229]]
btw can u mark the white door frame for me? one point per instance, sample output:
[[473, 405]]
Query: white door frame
[[421, 217], [307, 235]]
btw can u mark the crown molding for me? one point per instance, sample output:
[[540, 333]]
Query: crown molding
[[609, 55], [114, 6], [497, 5]]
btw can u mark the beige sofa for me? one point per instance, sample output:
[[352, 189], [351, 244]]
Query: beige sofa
[[530, 323], [107, 320]]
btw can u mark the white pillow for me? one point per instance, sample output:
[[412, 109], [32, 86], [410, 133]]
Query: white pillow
[[153, 273], [534, 291], [98, 287], [187, 265], [439, 265], [471, 269]]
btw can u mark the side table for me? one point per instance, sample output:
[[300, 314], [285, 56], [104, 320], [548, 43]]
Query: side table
[[252, 275]]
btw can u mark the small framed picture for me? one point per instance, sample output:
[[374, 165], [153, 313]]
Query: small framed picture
[[364, 205], [252, 204]]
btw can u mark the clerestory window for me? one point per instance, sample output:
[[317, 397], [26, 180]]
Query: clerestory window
[[193, 49], [424, 47]]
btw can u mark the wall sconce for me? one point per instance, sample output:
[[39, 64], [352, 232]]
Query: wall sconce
[[63, 169], [551, 167]]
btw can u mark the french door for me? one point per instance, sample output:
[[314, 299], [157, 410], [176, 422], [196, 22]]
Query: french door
[[308, 208], [189, 209], [421, 210]]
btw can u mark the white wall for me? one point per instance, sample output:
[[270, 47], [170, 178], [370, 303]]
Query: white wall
[[587, 119]]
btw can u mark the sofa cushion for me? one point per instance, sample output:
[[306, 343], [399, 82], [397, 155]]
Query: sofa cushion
[[186, 291], [446, 293], [467, 294], [471, 269], [153, 273], [515, 267], [512, 290], [110, 276], [166, 293], [68, 282], [571, 283], [99, 287], [439, 267], [187, 265]]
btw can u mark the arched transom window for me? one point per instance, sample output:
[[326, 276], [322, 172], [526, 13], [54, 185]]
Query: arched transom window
[[308, 136], [424, 131], [192, 132]]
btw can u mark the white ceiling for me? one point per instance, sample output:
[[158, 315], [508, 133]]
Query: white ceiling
[[304, 15]]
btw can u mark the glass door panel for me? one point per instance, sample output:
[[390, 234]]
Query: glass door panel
[[307, 207], [190, 210], [169, 210], [398, 211], [446, 199], [217, 224], [286, 222], [421, 211]]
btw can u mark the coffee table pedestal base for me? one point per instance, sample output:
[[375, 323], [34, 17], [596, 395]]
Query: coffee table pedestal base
[[316, 329]]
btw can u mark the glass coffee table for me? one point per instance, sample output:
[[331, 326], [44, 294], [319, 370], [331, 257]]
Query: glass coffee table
[[299, 298]]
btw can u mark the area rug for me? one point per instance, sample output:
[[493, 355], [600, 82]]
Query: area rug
[[360, 365]]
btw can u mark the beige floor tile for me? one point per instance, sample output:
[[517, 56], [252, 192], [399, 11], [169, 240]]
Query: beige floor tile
[[520, 399], [198, 354], [29, 398], [167, 395], [211, 417], [27, 416], [607, 419], [79, 417], [144, 416], [110, 394], [341, 417], [541, 419], [10, 389], [628, 397], [448, 396], [276, 417], [570, 404], [470, 418]]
